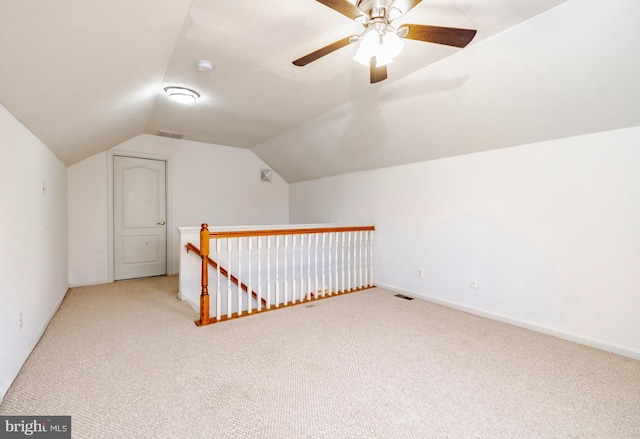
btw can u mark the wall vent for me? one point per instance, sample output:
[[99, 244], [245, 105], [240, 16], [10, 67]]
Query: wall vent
[[265, 175], [169, 134]]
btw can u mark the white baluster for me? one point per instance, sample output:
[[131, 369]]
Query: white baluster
[[293, 269], [354, 262], [324, 291], [309, 268], [286, 280], [344, 239], [249, 286], [229, 312], [277, 238], [360, 242], [336, 270], [349, 261], [218, 293], [258, 238], [371, 259], [301, 294], [366, 258], [330, 266], [354, 285], [315, 265], [268, 272], [239, 311]]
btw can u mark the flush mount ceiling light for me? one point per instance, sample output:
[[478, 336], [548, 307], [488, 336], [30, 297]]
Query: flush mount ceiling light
[[182, 95]]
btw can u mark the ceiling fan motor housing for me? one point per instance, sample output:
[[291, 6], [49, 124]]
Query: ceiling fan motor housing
[[374, 8]]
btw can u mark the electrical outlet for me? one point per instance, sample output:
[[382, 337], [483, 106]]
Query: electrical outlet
[[20, 321], [474, 283], [420, 273]]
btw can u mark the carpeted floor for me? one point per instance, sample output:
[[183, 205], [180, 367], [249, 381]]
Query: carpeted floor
[[125, 360]]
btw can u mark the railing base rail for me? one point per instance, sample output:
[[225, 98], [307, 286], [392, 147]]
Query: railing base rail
[[254, 311]]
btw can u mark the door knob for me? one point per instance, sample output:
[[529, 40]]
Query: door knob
[[162, 223]]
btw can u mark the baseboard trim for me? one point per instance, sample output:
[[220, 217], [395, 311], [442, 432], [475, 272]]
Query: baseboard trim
[[565, 335], [89, 283], [24, 354]]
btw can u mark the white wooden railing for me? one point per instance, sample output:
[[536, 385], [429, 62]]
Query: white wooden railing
[[253, 271]]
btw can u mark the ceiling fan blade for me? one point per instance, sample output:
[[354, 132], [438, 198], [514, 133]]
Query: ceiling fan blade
[[322, 52], [405, 5], [449, 36], [343, 6], [377, 73]]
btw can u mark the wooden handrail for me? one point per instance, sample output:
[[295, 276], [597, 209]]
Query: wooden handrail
[[280, 232], [224, 272]]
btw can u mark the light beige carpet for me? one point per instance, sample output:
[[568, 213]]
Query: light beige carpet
[[126, 361]]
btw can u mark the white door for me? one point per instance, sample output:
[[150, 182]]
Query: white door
[[139, 223]]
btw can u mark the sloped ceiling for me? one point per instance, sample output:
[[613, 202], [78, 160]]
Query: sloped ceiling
[[86, 76], [570, 71]]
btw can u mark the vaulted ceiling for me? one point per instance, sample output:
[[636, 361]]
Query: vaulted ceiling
[[86, 76]]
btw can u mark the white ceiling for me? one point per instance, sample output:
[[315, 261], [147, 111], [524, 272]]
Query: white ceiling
[[86, 76]]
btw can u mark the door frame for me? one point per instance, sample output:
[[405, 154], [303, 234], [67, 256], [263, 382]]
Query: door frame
[[110, 232]]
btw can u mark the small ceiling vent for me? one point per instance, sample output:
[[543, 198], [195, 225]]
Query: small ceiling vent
[[169, 134]]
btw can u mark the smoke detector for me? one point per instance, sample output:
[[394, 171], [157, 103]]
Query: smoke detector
[[204, 65]]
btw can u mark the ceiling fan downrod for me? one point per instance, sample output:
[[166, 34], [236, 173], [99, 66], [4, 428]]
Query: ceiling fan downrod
[[378, 9]]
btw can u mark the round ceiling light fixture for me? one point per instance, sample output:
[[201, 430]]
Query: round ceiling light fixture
[[182, 95]]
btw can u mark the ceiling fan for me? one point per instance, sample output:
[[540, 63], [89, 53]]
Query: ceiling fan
[[380, 42]]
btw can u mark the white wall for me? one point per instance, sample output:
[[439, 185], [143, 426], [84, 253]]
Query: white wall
[[216, 184], [33, 243], [550, 230], [88, 244]]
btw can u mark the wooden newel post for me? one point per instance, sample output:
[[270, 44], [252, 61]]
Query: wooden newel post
[[204, 254]]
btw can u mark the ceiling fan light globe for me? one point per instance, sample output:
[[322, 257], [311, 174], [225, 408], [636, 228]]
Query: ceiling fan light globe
[[391, 46], [369, 47], [362, 58], [371, 40], [394, 13]]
